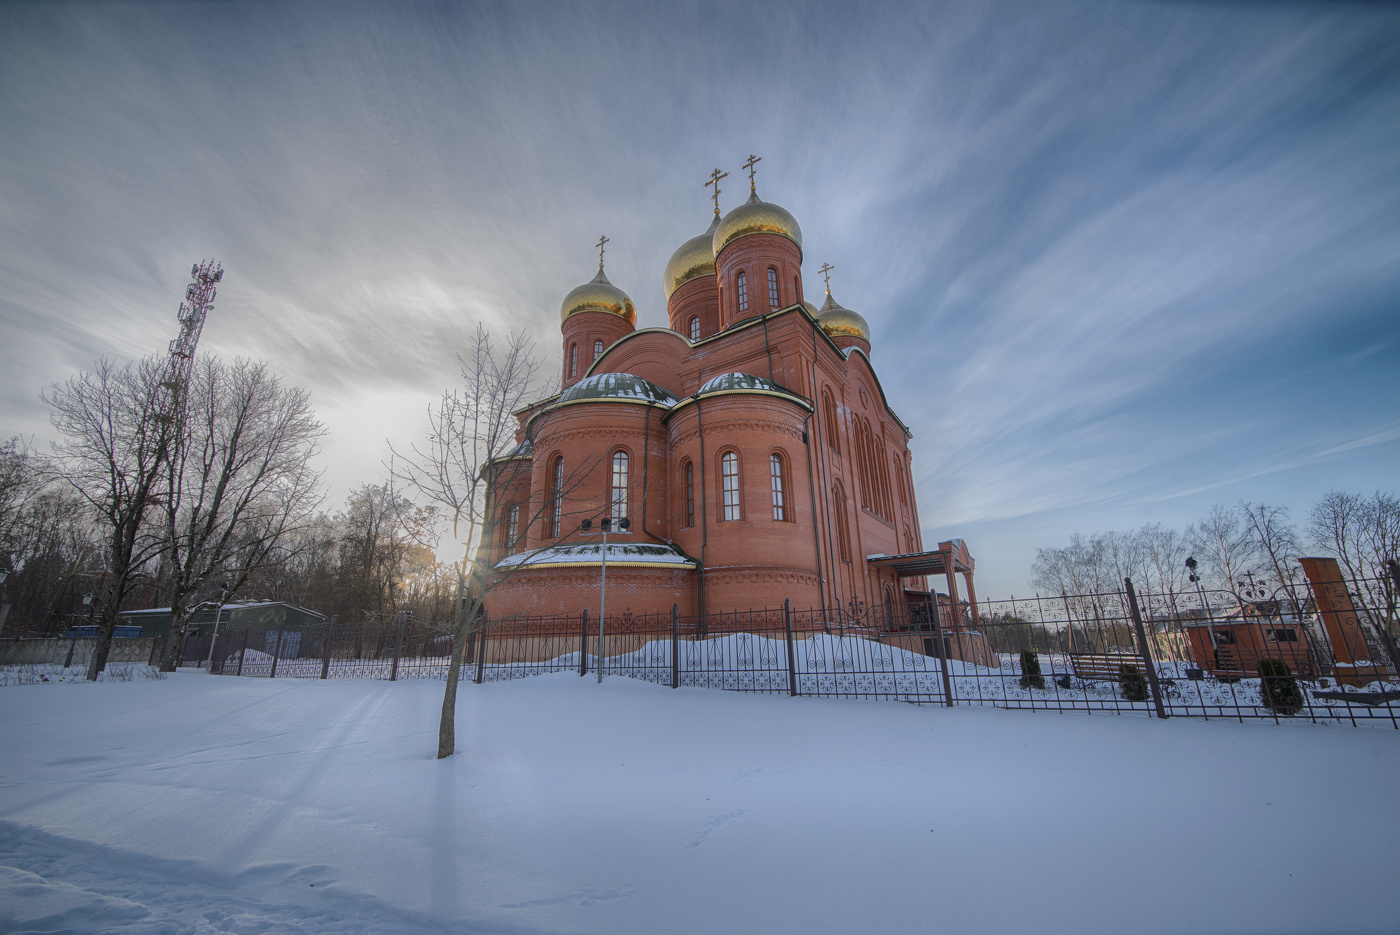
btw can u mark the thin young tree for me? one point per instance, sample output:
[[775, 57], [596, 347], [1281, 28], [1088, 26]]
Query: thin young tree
[[237, 481], [470, 462], [112, 455]]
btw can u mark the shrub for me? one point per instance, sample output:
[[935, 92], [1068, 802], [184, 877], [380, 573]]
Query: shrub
[[1131, 683], [1278, 689], [1030, 670]]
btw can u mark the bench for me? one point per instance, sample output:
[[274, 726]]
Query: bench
[[1104, 666]]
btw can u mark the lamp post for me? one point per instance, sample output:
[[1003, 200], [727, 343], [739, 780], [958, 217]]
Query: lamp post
[[4, 597], [223, 594], [606, 524]]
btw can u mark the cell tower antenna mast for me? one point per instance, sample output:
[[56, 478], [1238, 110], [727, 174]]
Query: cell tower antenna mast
[[175, 380]]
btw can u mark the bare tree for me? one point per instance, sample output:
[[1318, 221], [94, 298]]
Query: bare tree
[[237, 481], [1363, 533], [1276, 545], [115, 441], [1165, 551], [475, 454], [1225, 541]]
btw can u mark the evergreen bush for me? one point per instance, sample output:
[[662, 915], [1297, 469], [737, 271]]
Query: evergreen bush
[[1131, 683], [1030, 670], [1278, 689]]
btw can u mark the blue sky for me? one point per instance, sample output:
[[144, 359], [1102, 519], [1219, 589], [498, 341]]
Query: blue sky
[[1121, 260]]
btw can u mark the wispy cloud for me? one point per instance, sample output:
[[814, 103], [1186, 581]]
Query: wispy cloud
[[1100, 245]]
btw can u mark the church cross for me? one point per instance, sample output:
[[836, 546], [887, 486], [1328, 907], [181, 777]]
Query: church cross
[[826, 274], [749, 165], [715, 176], [602, 239]]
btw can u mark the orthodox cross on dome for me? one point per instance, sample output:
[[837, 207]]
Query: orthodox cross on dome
[[602, 239], [826, 274], [749, 165], [715, 176]]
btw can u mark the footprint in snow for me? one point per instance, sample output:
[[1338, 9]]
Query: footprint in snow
[[587, 896], [715, 824]]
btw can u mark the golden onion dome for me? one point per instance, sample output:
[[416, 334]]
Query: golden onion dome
[[840, 322], [811, 309], [756, 217], [599, 295], [693, 259]]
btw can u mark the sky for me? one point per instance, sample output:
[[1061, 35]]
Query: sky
[[1121, 261]]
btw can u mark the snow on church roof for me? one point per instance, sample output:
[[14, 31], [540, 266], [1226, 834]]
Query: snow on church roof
[[591, 553], [619, 386]]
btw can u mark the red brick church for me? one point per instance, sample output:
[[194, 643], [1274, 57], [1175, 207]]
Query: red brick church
[[749, 445]]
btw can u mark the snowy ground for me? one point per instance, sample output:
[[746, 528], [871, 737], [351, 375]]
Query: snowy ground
[[206, 804]]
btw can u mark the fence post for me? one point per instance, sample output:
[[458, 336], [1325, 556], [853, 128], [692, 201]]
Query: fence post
[[792, 662], [1391, 649], [583, 647], [675, 646], [326, 649], [942, 650], [242, 651], [276, 653], [1144, 650], [480, 645], [398, 649]]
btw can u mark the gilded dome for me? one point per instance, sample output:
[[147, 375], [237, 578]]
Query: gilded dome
[[693, 259], [811, 308], [756, 217], [842, 322], [599, 295]]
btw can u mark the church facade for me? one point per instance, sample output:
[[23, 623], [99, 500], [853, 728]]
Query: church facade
[[749, 446]]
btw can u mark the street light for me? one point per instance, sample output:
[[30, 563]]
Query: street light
[[586, 526], [223, 593]]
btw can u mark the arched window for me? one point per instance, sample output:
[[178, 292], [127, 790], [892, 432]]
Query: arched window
[[775, 468], [619, 485], [556, 497], [741, 286], [889, 607], [797, 288], [689, 494], [772, 287], [833, 436], [843, 535], [729, 484], [597, 349], [573, 361], [695, 328], [512, 528]]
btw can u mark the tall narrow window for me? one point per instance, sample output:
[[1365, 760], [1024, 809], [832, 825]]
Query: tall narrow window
[[797, 289], [899, 480], [772, 287], [556, 497], [573, 361], [729, 475], [775, 468], [597, 349], [843, 536], [689, 494], [695, 328], [619, 485], [833, 437], [512, 529], [741, 286]]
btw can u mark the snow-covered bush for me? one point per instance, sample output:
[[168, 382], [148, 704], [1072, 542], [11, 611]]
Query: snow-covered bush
[[1030, 670], [1278, 689], [1131, 683]]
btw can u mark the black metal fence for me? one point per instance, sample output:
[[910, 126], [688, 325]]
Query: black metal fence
[[1203, 654]]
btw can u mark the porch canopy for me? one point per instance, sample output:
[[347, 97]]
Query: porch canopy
[[950, 559]]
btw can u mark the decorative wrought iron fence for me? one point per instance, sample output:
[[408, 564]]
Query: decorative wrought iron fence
[[1204, 654]]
